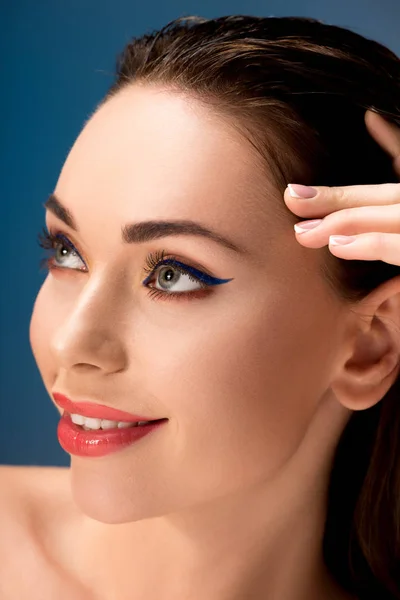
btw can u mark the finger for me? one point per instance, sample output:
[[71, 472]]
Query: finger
[[331, 199], [370, 246], [350, 221], [386, 134]]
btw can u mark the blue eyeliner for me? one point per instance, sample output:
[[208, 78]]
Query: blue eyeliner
[[206, 279], [49, 241]]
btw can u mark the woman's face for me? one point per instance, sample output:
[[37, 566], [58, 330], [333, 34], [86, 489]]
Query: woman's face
[[239, 371]]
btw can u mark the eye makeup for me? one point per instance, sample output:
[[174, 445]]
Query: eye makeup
[[155, 261]]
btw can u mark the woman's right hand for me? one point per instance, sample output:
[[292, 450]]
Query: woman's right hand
[[366, 217]]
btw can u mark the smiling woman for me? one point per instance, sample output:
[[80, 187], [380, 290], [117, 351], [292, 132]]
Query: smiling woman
[[275, 381]]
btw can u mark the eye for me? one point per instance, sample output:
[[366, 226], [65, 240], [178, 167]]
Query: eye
[[176, 279], [173, 278], [65, 255]]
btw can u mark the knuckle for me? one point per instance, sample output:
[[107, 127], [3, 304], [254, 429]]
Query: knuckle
[[379, 244], [339, 195]]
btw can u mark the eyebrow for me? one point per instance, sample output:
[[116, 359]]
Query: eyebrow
[[145, 231]]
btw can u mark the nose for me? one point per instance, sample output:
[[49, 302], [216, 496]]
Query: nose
[[89, 336]]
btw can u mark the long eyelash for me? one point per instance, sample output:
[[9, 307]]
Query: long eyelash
[[156, 259], [45, 240], [155, 293], [49, 240], [153, 260]]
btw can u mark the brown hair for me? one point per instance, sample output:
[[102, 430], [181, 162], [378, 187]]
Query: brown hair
[[298, 89]]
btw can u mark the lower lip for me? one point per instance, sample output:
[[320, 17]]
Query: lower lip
[[99, 442]]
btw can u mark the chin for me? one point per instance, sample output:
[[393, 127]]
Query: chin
[[117, 500]]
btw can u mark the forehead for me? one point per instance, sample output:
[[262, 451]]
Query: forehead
[[148, 153]]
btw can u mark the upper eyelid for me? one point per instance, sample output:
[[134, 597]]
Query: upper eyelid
[[200, 270], [180, 266], [54, 231], [60, 236]]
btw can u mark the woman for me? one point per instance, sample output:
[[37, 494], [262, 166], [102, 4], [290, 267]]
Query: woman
[[178, 292]]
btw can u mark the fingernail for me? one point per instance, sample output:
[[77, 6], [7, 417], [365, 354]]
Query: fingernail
[[339, 240], [301, 191], [306, 225]]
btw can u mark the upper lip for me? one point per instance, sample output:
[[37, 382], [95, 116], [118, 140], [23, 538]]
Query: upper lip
[[99, 411]]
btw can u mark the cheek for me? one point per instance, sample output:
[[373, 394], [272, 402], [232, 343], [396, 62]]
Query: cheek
[[42, 326], [243, 390]]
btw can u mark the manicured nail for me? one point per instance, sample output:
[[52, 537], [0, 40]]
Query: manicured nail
[[301, 191], [340, 240], [306, 225]]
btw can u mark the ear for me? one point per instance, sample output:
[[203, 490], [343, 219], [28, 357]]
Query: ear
[[372, 361]]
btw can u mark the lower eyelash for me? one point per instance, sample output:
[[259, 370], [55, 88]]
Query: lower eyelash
[[49, 240], [192, 295], [155, 261]]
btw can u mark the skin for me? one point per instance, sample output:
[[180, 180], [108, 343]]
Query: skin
[[369, 214], [258, 379]]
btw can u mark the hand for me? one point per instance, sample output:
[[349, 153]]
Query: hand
[[370, 214]]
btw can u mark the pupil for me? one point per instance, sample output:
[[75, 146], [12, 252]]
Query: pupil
[[169, 275], [62, 250]]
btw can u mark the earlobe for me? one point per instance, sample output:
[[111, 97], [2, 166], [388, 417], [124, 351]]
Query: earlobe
[[374, 362]]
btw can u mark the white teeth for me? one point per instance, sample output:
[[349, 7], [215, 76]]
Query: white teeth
[[92, 423], [122, 424], [77, 419], [106, 424]]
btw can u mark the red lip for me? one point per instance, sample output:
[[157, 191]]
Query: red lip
[[99, 411], [75, 440]]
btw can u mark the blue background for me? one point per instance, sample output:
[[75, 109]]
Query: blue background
[[57, 61]]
